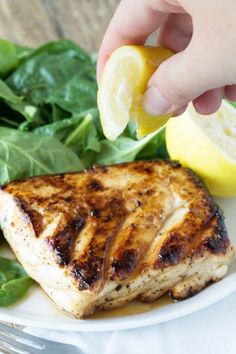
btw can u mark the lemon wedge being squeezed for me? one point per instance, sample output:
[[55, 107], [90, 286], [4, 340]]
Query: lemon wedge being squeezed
[[122, 85]]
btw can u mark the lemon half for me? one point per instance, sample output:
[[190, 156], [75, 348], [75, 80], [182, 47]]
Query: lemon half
[[123, 82], [206, 144]]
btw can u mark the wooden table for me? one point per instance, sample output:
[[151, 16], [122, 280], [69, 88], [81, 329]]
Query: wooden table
[[32, 22]]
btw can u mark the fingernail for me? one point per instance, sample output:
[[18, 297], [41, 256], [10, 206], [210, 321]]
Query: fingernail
[[154, 103]]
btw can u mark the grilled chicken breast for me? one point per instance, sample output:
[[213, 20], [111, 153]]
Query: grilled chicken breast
[[100, 238]]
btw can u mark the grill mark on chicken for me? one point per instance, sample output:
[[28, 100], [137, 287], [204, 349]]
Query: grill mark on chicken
[[88, 272], [218, 242], [131, 248], [177, 246], [34, 216], [63, 242], [170, 254], [91, 266], [124, 266], [181, 237]]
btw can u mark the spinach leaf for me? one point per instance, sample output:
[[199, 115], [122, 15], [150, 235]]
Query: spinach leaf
[[8, 122], [62, 128], [23, 155], [11, 55], [123, 149], [78, 133], [155, 148], [14, 282], [14, 290], [84, 137], [16, 103], [58, 113], [22, 53], [77, 94], [3, 279], [84, 141], [61, 46], [57, 73], [130, 130], [11, 269], [7, 94]]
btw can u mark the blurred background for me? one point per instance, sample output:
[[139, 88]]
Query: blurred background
[[33, 22]]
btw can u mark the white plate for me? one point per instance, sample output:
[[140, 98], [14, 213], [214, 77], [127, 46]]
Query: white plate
[[38, 311]]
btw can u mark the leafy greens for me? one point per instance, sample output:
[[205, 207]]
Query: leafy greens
[[22, 154], [49, 120], [14, 282]]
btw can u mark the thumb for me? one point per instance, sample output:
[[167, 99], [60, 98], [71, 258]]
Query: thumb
[[178, 81]]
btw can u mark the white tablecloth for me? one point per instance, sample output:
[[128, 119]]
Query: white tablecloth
[[209, 331]]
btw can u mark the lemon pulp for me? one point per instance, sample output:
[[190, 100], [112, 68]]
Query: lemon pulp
[[206, 144], [122, 85]]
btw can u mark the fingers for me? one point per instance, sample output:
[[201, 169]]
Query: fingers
[[230, 92], [209, 102], [176, 32], [190, 75], [181, 79], [132, 22], [180, 111]]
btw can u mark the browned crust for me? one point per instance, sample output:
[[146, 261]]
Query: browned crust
[[34, 216], [63, 242], [180, 243], [90, 268], [83, 198]]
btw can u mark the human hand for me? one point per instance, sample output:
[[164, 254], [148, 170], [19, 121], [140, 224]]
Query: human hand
[[203, 35]]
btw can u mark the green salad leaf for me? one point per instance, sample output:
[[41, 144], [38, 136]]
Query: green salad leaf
[[233, 103], [16, 104], [7, 94], [78, 94], [14, 282], [23, 155], [57, 73], [60, 129], [84, 137], [11, 55], [126, 149], [155, 147]]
